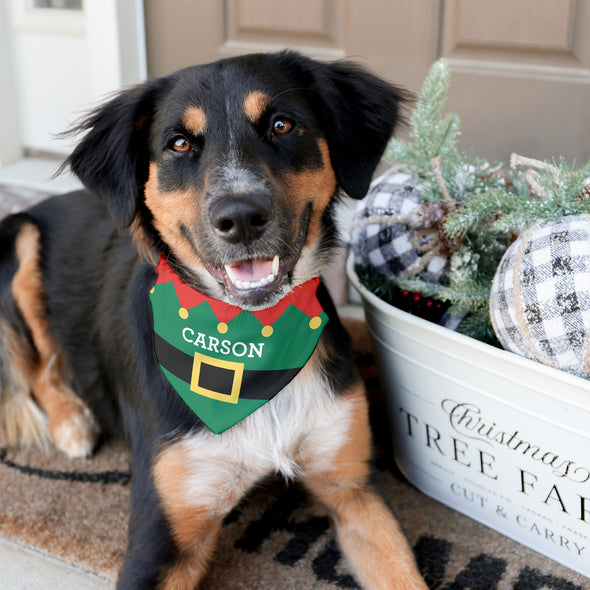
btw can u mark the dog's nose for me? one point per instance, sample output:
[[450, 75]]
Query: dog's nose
[[240, 219]]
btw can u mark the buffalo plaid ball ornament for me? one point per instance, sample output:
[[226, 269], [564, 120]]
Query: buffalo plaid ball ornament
[[385, 231], [540, 296]]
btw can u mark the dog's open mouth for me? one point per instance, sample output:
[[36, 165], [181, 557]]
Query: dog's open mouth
[[254, 281], [257, 280], [260, 279], [255, 273]]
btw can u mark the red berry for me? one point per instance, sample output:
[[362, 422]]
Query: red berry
[[405, 292], [429, 303], [417, 296]]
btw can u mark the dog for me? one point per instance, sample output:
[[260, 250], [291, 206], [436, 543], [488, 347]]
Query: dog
[[217, 182]]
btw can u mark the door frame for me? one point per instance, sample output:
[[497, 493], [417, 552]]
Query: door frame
[[115, 39]]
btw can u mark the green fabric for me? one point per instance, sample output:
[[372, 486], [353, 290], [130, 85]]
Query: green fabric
[[290, 345], [218, 416], [231, 349]]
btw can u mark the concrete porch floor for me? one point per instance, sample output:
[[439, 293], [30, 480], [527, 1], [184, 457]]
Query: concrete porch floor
[[22, 568]]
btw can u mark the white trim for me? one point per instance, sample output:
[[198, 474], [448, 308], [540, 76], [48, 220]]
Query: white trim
[[10, 143], [132, 41], [110, 38], [116, 44]]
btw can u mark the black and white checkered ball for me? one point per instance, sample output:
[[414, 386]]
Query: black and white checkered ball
[[387, 246], [540, 297]]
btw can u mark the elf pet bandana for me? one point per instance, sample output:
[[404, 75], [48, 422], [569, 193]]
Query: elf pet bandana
[[226, 362]]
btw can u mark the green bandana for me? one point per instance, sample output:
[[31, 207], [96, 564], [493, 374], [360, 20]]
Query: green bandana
[[226, 362]]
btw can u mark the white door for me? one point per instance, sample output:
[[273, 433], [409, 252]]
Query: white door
[[61, 58]]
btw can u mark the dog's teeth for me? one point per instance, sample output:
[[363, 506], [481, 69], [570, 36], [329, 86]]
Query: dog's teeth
[[230, 273], [254, 284]]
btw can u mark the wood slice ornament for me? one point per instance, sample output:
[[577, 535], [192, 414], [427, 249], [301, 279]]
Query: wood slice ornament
[[540, 295], [395, 232]]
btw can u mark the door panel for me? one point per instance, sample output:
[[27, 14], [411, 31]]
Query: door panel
[[398, 38], [257, 25], [315, 23], [521, 68], [528, 24], [521, 79]]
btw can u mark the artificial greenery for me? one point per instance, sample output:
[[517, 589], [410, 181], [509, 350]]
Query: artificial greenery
[[416, 303], [555, 191], [486, 205]]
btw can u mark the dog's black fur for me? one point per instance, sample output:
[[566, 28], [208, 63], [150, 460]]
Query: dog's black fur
[[95, 284]]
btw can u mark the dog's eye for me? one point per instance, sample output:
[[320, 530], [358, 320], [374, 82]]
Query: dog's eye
[[180, 144], [281, 126]]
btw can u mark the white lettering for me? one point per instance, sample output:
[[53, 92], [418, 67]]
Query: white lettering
[[235, 346], [185, 332], [225, 347], [257, 348]]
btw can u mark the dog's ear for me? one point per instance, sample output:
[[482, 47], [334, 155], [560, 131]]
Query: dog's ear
[[112, 159], [360, 114]]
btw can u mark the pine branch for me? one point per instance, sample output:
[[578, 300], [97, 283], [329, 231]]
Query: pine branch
[[564, 185], [556, 191], [477, 325], [480, 209], [485, 206], [427, 288], [429, 105], [430, 135], [467, 297]]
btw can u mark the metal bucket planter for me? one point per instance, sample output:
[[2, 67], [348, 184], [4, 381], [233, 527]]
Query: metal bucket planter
[[500, 438]]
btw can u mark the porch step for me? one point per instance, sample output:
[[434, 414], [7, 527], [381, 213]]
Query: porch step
[[26, 569]]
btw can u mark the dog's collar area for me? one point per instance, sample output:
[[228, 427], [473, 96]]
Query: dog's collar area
[[226, 362]]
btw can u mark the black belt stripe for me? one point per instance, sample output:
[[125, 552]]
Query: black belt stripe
[[255, 384]]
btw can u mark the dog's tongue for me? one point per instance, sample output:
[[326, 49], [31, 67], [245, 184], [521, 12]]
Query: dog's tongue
[[250, 271]]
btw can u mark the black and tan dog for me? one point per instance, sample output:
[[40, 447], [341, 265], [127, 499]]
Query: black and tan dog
[[230, 171]]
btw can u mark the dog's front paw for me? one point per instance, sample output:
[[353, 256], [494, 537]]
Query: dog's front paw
[[77, 431]]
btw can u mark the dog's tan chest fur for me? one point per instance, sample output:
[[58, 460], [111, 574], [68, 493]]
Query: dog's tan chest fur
[[202, 476], [301, 429]]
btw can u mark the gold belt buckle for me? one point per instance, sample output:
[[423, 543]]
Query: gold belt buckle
[[200, 365]]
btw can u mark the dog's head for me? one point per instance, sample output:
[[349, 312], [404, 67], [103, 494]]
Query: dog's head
[[232, 169]]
